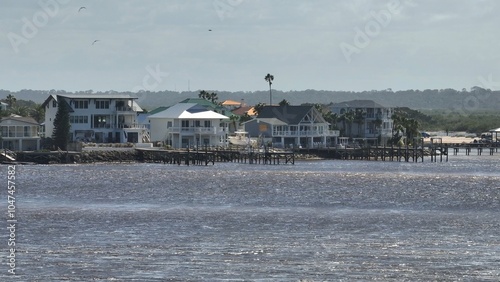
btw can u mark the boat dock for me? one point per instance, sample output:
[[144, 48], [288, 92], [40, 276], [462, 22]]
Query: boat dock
[[210, 156]]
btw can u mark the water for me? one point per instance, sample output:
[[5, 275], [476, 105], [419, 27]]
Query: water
[[312, 221]]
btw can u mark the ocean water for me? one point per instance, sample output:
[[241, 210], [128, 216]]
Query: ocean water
[[331, 220]]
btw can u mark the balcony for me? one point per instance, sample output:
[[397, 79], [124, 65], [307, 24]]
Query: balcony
[[132, 126], [125, 109], [197, 130], [307, 133]]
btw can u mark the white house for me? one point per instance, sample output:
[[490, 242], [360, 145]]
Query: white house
[[370, 120], [20, 133], [188, 124], [101, 118]]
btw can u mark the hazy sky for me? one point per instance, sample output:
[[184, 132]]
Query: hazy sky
[[230, 45]]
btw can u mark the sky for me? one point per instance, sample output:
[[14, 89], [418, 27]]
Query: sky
[[230, 45]]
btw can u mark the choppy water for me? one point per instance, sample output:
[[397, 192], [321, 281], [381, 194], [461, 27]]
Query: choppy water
[[315, 221]]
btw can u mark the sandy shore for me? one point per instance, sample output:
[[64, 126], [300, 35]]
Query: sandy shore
[[452, 139]]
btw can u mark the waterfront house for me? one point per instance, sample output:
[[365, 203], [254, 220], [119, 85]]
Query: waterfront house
[[20, 133], [287, 126], [186, 125], [100, 118], [369, 122]]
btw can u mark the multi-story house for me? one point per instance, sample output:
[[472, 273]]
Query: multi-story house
[[20, 133], [287, 126], [101, 118], [364, 119], [185, 125]]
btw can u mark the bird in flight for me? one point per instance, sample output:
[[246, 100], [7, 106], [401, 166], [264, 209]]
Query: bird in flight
[[81, 8], [94, 42]]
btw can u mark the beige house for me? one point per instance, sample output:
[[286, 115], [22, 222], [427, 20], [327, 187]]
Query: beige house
[[20, 133]]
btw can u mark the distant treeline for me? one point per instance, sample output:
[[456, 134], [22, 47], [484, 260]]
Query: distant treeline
[[460, 101]]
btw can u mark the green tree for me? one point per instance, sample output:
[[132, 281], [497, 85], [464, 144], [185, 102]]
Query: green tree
[[212, 97], [38, 113], [11, 100], [235, 119], [284, 102], [20, 111], [258, 108], [269, 78], [60, 135], [359, 119], [347, 119]]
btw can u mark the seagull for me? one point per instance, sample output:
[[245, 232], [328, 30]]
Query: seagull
[[94, 42], [209, 30], [81, 8]]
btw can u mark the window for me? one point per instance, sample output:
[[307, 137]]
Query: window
[[82, 104], [78, 119], [102, 104], [185, 123], [54, 103], [207, 123]]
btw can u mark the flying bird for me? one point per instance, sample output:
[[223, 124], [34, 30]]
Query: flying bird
[[94, 42], [81, 8], [209, 30]]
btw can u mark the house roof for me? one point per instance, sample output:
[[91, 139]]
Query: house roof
[[91, 96], [357, 104], [287, 114], [272, 121], [231, 103], [188, 111], [157, 110], [29, 120], [242, 110]]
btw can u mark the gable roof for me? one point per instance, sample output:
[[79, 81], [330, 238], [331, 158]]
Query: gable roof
[[357, 104], [91, 96], [231, 103], [188, 111], [287, 114], [157, 110], [29, 120], [242, 110]]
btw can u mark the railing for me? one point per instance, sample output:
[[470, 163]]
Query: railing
[[125, 109], [22, 134], [132, 125], [310, 133], [383, 132], [197, 130]]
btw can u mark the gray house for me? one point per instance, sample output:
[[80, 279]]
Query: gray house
[[370, 120], [287, 126]]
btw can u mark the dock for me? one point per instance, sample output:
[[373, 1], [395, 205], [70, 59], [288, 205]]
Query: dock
[[211, 156]]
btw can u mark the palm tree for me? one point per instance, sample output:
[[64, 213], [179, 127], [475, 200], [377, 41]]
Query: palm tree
[[11, 100], [258, 108], [284, 102], [20, 111], [38, 113], [269, 78], [347, 118], [235, 121], [359, 119]]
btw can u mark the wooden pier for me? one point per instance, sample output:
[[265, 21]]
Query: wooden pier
[[210, 156]]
